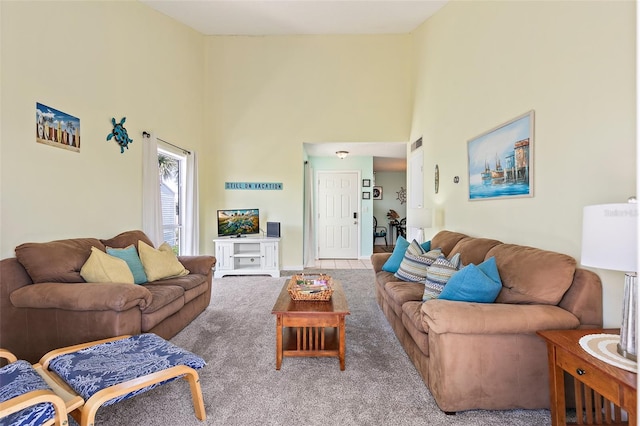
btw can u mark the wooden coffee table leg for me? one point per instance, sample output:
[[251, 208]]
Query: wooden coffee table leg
[[278, 341], [342, 342]]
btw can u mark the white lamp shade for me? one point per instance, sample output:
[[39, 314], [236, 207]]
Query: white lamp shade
[[420, 222], [609, 237]]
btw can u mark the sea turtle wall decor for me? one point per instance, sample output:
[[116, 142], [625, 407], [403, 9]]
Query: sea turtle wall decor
[[120, 134]]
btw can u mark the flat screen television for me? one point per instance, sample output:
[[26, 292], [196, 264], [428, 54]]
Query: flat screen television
[[238, 222]]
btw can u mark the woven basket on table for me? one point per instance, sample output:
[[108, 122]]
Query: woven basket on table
[[321, 296]]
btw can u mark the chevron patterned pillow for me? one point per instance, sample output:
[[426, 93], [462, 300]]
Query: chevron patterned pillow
[[415, 263], [438, 274]]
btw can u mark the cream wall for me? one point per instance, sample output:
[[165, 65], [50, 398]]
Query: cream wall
[[479, 64], [247, 104], [93, 60], [266, 96]]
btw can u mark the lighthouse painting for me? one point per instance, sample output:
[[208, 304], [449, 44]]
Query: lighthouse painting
[[501, 160]]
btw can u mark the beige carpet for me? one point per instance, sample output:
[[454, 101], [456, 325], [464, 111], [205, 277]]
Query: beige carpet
[[236, 336]]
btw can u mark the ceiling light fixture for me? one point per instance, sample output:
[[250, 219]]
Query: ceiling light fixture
[[342, 154]]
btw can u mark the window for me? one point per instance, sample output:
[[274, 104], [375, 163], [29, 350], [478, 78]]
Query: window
[[172, 167]]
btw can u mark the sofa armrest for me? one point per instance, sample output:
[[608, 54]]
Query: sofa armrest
[[445, 316], [198, 264], [82, 296], [378, 260]]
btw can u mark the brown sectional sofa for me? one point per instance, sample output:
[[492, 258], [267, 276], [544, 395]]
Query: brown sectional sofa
[[45, 304], [487, 355]]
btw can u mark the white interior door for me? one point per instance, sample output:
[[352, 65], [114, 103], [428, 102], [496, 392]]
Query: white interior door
[[338, 215]]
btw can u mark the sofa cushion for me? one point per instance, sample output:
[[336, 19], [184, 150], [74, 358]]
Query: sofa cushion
[[415, 263], [400, 292], [162, 296], [446, 241], [118, 297], [446, 316], [193, 284], [413, 313], [473, 283], [413, 324], [103, 268], [167, 300], [126, 239], [531, 275], [438, 274], [383, 277], [160, 263], [473, 250], [393, 263], [130, 255], [56, 261]]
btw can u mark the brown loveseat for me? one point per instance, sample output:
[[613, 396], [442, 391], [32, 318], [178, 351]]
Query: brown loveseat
[[487, 355], [45, 304]]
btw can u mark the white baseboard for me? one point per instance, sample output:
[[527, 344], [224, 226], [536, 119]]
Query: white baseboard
[[292, 268]]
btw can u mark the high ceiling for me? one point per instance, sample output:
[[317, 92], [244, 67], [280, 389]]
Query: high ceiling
[[276, 17], [309, 17]]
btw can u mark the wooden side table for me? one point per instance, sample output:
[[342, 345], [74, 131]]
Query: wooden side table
[[597, 384]]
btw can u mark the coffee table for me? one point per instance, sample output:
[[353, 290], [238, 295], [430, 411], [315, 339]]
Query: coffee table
[[311, 328]]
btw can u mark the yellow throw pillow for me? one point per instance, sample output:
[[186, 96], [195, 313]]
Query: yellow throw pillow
[[102, 268], [160, 263]]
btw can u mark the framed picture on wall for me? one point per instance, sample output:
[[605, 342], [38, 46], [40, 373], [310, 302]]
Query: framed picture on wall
[[366, 183], [57, 128], [366, 195], [377, 193], [501, 160]]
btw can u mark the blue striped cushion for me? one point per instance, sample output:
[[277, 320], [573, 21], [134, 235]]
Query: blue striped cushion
[[438, 274], [415, 263]]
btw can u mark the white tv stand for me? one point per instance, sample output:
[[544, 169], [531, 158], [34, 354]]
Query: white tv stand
[[247, 256]]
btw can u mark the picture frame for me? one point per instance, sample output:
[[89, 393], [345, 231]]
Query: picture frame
[[366, 195], [377, 193], [500, 160], [57, 128], [366, 183]]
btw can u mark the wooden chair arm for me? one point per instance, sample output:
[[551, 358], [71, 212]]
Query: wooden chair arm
[[32, 398], [8, 355]]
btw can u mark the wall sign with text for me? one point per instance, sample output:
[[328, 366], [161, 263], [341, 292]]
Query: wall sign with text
[[261, 186]]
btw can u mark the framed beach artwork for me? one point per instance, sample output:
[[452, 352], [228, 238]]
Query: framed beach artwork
[[57, 128], [501, 160]]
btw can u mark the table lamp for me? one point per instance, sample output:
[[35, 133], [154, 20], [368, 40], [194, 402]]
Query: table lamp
[[416, 232], [609, 241]]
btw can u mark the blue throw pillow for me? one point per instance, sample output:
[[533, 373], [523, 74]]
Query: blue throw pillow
[[473, 283], [130, 255], [393, 263], [426, 246]]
